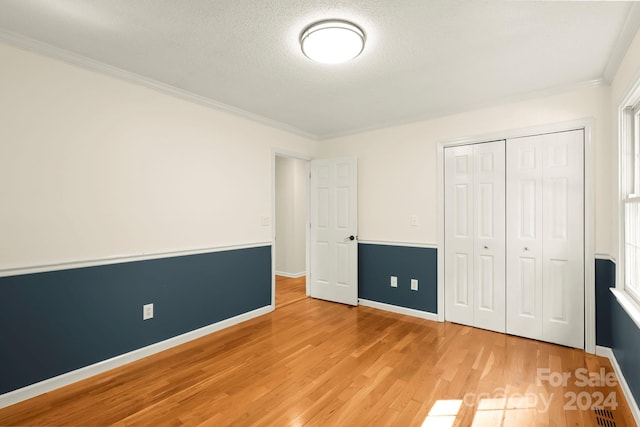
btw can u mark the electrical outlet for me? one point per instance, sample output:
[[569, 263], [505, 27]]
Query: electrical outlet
[[394, 282], [147, 311], [413, 220], [414, 284]]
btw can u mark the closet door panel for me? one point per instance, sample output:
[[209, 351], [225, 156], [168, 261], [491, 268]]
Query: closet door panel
[[524, 237], [563, 238], [489, 241], [459, 232]]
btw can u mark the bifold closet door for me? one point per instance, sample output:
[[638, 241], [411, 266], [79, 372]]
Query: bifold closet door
[[545, 237], [475, 235]]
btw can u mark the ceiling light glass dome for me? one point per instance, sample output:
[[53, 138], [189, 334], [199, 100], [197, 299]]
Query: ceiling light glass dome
[[332, 42]]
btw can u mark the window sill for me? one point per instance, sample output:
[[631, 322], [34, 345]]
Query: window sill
[[628, 304]]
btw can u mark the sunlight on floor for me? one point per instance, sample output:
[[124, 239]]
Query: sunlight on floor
[[489, 412], [443, 413], [505, 411]]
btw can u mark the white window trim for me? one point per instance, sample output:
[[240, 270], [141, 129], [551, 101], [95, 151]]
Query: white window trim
[[629, 301], [628, 304], [630, 200]]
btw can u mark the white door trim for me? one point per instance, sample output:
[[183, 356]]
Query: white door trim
[[275, 152], [589, 209]]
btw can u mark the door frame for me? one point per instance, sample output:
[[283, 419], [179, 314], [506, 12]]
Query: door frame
[[588, 125], [276, 152]]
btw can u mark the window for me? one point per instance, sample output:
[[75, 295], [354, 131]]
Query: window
[[630, 186]]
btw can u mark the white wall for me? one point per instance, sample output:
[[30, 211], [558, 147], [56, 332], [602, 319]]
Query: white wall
[[92, 166], [291, 216], [397, 165]]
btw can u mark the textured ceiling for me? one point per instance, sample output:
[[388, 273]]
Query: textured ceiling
[[423, 58]]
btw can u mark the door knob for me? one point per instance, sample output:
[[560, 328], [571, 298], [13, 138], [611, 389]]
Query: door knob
[[486, 247], [352, 237], [526, 248]]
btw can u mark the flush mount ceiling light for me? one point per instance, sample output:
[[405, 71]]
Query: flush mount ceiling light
[[332, 42]]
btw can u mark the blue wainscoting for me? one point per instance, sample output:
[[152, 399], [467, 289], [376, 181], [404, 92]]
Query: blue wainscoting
[[377, 263], [605, 279], [626, 347], [615, 329], [55, 322]]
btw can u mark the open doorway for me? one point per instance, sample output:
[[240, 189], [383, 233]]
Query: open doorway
[[290, 229]]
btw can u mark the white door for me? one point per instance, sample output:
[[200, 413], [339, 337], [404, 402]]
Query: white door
[[475, 235], [334, 229], [545, 229]]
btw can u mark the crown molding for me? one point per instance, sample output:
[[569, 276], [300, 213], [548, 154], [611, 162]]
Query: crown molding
[[72, 58], [76, 59], [556, 90], [622, 43]]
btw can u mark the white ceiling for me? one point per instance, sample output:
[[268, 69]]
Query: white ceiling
[[423, 58]]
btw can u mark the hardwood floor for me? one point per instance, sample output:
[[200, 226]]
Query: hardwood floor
[[316, 363], [290, 290]]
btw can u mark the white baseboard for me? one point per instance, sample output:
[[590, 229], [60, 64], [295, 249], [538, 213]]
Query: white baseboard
[[88, 371], [633, 405], [291, 275], [400, 310]]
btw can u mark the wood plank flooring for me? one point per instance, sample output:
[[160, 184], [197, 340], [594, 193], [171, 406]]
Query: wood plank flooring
[[315, 363], [290, 290]]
